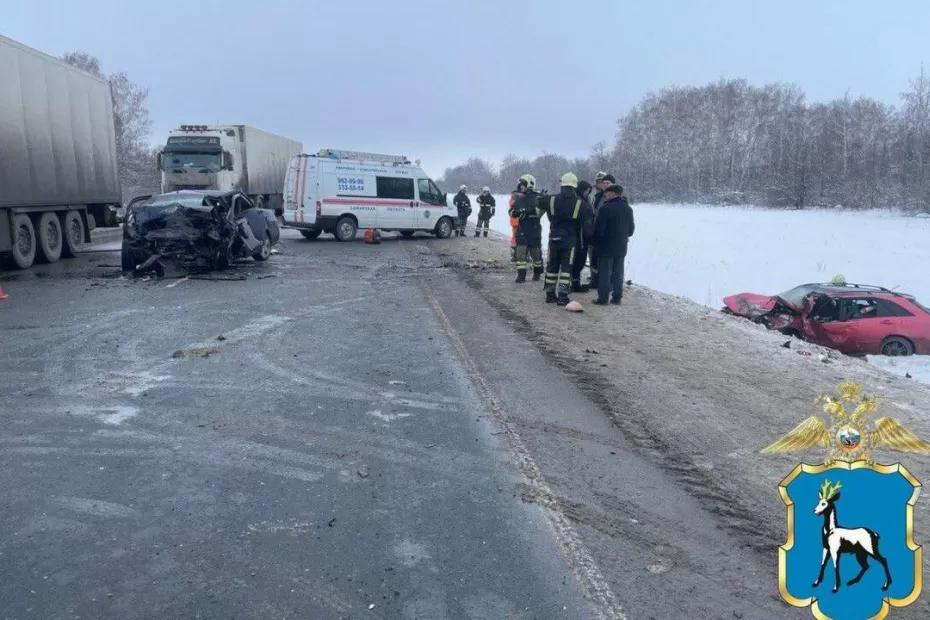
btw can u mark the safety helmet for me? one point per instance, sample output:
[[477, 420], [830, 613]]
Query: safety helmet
[[529, 180], [486, 189], [569, 180], [462, 188], [600, 176]]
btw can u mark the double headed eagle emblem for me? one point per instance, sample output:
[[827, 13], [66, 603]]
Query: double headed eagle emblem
[[847, 435]]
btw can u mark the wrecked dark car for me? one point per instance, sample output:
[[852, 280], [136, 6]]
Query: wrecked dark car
[[195, 231], [855, 319]]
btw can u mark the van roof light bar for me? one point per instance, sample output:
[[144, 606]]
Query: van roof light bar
[[362, 156]]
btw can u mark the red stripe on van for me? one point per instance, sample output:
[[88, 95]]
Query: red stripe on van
[[374, 202]]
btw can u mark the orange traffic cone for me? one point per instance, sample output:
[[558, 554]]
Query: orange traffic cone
[[3, 295], [372, 235]]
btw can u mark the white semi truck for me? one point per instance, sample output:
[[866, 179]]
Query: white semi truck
[[58, 169], [228, 158]]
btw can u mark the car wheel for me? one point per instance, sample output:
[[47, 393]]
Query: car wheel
[[73, 232], [896, 346], [24, 241], [264, 252], [346, 229], [310, 234], [406, 234], [444, 228], [50, 240]]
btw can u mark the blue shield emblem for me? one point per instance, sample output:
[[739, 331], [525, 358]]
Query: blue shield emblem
[[859, 516]]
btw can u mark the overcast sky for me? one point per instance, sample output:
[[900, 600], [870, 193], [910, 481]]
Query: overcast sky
[[441, 80]]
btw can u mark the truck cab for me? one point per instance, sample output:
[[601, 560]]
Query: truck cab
[[197, 157]]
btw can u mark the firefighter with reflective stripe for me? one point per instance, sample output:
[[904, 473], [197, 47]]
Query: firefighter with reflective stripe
[[463, 203], [486, 208], [585, 236], [564, 212], [529, 231], [602, 181]]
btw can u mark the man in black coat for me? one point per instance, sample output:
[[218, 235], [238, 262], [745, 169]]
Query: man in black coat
[[613, 228], [602, 181], [585, 236], [463, 203]]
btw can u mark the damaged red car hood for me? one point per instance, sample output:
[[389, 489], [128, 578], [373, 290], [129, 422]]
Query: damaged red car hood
[[752, 305]]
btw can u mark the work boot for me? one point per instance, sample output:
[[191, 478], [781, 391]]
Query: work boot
[[521, 276], [562, 300], [615, 300], [551, 297], [599, 302], [537, 273], [485, 233], [477, 233]]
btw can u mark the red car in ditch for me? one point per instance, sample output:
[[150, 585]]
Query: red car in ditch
[[855, 319]]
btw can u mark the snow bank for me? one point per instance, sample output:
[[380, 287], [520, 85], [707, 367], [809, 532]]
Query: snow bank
[[705, 253]]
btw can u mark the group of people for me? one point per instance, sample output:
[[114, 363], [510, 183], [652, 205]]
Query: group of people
[[487, 207], [581, 231]]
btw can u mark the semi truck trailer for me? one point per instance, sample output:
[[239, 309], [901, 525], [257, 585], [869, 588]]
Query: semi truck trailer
[[58, 168], [228, 158]]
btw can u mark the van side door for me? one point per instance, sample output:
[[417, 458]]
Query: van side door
[[396, 196]]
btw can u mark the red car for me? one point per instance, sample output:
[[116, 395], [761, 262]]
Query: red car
[[852, 318]]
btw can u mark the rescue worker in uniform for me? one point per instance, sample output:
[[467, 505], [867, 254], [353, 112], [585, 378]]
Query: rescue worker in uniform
[[529, 231], [612, 231], [585, 236], [602, 181], [463, 203], [564, 212], [486, 210]]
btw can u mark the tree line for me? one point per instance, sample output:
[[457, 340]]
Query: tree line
[[730, 142]]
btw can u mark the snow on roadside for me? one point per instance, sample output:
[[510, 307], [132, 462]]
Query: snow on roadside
[[705, 253]]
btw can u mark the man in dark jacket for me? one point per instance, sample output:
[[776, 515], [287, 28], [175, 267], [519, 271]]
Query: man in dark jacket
[[486, 208], [585, 236], [529, 233], [602, 181], [463, 203], [564, 212], [612, 230]]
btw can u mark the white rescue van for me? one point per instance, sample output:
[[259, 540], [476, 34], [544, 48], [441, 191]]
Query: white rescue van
[[338, 192]]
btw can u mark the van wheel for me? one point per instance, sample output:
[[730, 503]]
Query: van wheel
[[406, 234], [50, 240], [444, 228], [24, 241], [346, 229], [311, 234], [897, 346], [73, 233]]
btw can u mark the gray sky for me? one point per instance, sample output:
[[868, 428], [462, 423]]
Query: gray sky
[[441, 80]]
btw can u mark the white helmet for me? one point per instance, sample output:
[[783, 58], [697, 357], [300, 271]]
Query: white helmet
[[462, 188], [486, 189]]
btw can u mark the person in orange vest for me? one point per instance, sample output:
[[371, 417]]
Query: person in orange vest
[[514, 225]]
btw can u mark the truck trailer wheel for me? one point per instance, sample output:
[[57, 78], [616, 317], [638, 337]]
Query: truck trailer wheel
[[73, 233], [50, 237], [24, 241]]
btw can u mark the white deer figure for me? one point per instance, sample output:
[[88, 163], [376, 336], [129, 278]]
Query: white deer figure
[[837, 540]]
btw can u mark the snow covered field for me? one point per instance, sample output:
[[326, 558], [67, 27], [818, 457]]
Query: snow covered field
[[705, 252]]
